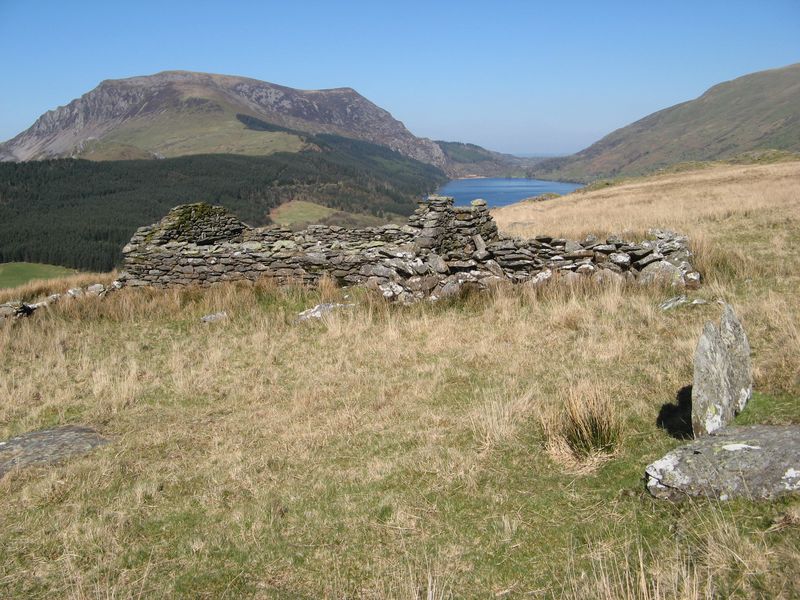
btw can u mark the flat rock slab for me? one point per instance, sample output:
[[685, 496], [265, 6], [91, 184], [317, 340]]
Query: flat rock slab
[[47, 446], [756, 461]]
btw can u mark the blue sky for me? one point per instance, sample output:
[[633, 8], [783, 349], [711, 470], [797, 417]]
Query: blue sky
[[523, 77]]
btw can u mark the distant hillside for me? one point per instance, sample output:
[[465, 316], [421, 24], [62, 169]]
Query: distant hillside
[[470, 160], [80, 213], [177, 113], [754, 112]]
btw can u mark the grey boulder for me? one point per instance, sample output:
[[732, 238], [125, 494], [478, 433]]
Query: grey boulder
[[213, 318], [723, 381], [320, 310], [755, 462]]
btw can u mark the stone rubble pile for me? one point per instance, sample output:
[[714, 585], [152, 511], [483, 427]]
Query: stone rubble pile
[[17, 308], [440, 251]]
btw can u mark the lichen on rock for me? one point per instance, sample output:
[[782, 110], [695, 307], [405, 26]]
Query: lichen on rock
[[756, 462], [722, 382]]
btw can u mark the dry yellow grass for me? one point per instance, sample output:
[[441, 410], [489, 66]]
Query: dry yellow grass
[[697, 203], [41, 288], [397, 452]]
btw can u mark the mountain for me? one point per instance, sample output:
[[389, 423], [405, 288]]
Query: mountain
[[470, 160], [177, 113], [755, 112], [250, 145]]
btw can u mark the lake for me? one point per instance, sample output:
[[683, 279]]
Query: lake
[[499, 192]]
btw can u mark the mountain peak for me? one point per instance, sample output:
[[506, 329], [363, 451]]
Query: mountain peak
[[185, 112]]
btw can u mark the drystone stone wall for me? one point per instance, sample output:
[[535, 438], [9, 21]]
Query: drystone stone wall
[[438, 252]]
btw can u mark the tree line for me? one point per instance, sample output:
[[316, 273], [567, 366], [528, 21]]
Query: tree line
[[80, 213]]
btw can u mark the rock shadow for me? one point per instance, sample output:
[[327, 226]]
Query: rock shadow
[[676, 419]]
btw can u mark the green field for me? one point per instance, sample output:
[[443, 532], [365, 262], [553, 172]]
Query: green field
[[19, 273], [299, 211], [191, 132]]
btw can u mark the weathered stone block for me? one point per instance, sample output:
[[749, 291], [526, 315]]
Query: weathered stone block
[[722, 382]]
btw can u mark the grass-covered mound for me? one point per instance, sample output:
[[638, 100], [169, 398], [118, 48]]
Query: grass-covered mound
[[299, 214], [491, 446]]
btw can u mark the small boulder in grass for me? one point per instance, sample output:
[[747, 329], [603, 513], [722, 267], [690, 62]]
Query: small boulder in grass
[[98, 289], [758, 462], [677, 301], [47, 446], [320, 310], [213, 318]]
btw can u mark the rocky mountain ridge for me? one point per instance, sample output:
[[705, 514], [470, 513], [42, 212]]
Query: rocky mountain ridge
[[130, 113]]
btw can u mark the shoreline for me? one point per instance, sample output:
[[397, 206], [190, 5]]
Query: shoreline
[[502, 191]]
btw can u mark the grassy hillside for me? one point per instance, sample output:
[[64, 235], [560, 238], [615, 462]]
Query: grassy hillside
[[15, 274], [80, 213], [408, 451], [465, 153], [192, 131], [298, 214], [755, 112], [465, 160]]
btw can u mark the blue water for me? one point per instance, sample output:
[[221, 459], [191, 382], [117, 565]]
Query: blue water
[[499, 192]]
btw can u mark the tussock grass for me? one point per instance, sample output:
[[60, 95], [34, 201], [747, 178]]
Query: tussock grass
[[586, 429], [397, 452], [495, 421]]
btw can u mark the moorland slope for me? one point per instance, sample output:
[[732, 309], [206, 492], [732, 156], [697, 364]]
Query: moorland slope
[[760, 111], [393, 451]]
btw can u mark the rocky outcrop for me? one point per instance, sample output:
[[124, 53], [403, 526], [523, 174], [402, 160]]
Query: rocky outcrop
[[442, 250], [722, 374], [756, 462]]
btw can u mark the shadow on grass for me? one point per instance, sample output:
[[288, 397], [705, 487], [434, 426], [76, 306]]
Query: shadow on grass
[[676, 419]]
